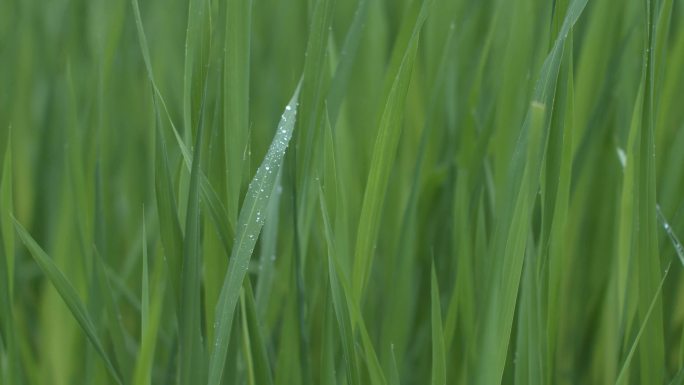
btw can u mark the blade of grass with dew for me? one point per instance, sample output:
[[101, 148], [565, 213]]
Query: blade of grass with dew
[[384, 152], [69, 295], [236, 99], [269, 243], [649, 311], [438, 353], [189, 323], [340, 302], [251, 220]]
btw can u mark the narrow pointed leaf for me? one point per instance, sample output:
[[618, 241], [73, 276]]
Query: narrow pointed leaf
[[252, 215]]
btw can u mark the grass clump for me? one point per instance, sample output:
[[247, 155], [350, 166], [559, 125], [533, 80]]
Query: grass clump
[[341, 192]]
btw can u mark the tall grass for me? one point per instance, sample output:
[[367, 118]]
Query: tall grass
[[341, 192]]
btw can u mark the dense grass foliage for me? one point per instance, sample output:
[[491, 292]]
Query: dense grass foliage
[[354, 192]]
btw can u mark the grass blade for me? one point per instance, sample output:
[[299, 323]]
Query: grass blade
[[169, 224], [69, 295], [236, 100], [340, 301], [251, 220], [257, 348], [386, 143], [189, 323], [7, 326], [116, 329], [150, 317], [438, 353]]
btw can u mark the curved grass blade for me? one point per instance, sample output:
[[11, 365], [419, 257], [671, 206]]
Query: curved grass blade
[[251, 220], [69, 295]]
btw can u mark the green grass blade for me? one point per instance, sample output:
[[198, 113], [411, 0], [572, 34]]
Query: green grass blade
[[236, 98], [269, 244], [386, 143], [189, 323], [69, 295], [514, 218], [259, 357], [652, 348], [116, 329], [7, 208], [169, 224], [251, 220], [340, 301], [149, 317], [511, 246], [343, 71], [651, 306], [328, 345], [7, 323], [246, 343], [218, 212], [195, 64], [438, 353]]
